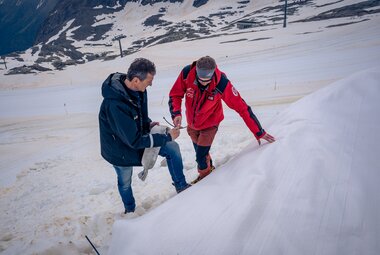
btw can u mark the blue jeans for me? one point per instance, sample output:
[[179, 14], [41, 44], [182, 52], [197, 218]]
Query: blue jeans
[[124, 174]]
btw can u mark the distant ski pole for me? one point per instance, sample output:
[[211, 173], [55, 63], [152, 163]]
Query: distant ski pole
[[92, 245]]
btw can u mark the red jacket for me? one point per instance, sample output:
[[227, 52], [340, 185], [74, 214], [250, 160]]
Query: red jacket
[[204, 109]]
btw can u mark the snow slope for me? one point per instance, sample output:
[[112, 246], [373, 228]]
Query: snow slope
[[314, 191]]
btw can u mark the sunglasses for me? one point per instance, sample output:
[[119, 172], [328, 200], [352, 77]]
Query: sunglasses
[[204, 80]]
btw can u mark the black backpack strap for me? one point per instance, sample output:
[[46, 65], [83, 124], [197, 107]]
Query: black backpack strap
[[222, 84], [186, 71]]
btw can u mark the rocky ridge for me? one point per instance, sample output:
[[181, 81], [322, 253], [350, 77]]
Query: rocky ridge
[[62, 51]]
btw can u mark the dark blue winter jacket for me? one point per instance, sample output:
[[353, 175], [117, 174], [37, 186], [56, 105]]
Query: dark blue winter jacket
[[124, 124]]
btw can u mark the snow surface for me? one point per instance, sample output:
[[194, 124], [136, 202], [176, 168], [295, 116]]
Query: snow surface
[[313, 191]]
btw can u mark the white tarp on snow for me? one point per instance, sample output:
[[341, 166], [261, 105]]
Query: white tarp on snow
[[314, 191]]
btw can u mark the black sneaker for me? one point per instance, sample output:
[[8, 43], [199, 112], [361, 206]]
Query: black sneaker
[[129, 211], [179, 190]]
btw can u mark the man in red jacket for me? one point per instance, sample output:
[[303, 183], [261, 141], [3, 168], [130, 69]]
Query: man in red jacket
[[205, 86]]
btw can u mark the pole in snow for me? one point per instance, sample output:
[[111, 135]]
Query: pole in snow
[[5, 63], [119, 37], [121, 51], [92, 245], [285, 11]]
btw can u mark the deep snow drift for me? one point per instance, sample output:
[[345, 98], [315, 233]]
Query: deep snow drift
[[314, 191]]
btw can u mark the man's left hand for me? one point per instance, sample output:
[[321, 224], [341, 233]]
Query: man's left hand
[[268, 138]]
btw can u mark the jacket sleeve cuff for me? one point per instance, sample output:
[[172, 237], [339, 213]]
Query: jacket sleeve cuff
[[260, 134], [175, 114], [151, 141]]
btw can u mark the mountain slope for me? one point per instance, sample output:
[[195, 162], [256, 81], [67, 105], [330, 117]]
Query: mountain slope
[[20, 21], [81, 31]]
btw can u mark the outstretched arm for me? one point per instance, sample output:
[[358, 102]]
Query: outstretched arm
[[233, 100]]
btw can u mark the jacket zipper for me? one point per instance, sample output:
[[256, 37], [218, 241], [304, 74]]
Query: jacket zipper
[[195, 107], [198, 103], [139, 114]]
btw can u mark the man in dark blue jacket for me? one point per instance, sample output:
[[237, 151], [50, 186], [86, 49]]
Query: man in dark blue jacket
[[124, 129]]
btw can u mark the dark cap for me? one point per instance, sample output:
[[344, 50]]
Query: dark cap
[[205, 67]]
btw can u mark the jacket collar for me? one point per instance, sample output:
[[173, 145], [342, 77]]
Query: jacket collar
[[115, 88]]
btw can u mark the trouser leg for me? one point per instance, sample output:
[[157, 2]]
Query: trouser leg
[[124, 180], [201, 153], [173, 157], [202, 141]]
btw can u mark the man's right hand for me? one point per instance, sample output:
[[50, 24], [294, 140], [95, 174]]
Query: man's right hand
[[174, 133], [177, 121]]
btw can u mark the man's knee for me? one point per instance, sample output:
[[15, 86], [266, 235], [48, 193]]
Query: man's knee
[[125, 184], [124, 176], [172, 148], [207, 136]]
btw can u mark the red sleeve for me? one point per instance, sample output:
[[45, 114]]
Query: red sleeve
[[176, 95], [233, 100]]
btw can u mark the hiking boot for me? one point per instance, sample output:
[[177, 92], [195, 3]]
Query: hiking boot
[[209, 160], [203, 173]]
